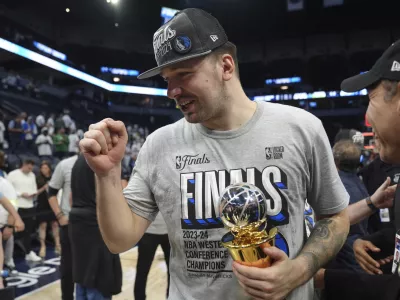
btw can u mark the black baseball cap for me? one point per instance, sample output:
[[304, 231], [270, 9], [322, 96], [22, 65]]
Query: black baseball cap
[[386, 67], [190, 33], [351, 135]]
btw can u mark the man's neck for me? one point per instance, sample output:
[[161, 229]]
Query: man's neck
[[238, 112]]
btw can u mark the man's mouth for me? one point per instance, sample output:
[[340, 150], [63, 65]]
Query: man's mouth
[[185, 105]]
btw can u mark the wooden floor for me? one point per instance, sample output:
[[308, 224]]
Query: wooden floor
[[156, 282]]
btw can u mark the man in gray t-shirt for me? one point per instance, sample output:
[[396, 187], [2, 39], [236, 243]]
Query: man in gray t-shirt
[[224, 138], [61, 180]]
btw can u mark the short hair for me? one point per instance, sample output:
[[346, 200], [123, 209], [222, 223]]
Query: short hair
[[45, 162], [345, 152], [29, 161], [390, 87], [227, 48]]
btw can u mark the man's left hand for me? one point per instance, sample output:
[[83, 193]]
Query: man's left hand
[[272, 283]]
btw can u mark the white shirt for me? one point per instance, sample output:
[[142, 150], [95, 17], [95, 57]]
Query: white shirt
[[9, 192], [67, 121], [40, 121], [23, 183], [2, 129], [72, 126], [44, 149], [73, 143], [50, 122]]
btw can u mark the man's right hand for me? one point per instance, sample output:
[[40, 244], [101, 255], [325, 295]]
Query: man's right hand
[[19, 225], [104, 145], [367, 263], [26, 196], [63, 220]]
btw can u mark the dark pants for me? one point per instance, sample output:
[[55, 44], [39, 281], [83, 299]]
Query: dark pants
[[83, 293], [147, 248], [27, 215], [67, 284]]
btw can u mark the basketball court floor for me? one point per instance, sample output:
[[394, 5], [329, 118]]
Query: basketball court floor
[[40, 281]]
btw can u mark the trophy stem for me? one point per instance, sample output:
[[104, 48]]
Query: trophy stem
[[250, 254]]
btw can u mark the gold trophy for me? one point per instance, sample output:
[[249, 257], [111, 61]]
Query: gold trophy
[[243, 210]]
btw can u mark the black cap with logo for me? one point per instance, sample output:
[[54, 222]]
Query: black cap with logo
[[387, 67], [352, 135], [190, 33]]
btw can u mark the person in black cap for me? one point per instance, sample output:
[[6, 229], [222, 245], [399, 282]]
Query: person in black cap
[[383, 85], [350, 134], [224, 138]]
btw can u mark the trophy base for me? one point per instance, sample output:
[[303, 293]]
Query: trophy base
[[250, 255]]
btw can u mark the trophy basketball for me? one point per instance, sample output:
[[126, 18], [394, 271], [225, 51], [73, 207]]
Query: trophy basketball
[[243, 210]]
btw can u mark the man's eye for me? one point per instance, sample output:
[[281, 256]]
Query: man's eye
[[183, 74]]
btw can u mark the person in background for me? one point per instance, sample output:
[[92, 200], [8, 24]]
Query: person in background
[[73, 139], [18, 225], [373, 175], [67, 121], [347, 157], [30, 133], [156, 234], [41, 120], [8, 232], [15, 131], [60, 141], [61, 179], [24, 182], [97, 273], [44, 144], [50, 124], [44, 213], [2, 131]]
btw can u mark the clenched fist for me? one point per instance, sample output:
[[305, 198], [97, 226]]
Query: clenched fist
[[104, 145]]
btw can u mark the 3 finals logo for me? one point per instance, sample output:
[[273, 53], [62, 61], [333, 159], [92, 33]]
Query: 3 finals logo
[[188, 160]]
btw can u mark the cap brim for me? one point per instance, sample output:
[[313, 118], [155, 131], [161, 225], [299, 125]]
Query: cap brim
[[157, 70], [358, 82]]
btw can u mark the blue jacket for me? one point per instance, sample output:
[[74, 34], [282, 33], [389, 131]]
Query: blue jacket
[[357, 191]]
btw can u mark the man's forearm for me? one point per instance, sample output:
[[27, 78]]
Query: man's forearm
[[53, 201], [10, 220], [116, 220], [325, 241], [359, 211], [9, 208]]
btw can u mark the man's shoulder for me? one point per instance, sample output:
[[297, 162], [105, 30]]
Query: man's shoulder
[[14, 172], [68, 161], [289, 113], [298, 121]]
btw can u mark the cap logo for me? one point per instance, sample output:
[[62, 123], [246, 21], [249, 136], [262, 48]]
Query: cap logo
[[214, 38], [161, 41], [358, 138], [182, 44], [395, 66]]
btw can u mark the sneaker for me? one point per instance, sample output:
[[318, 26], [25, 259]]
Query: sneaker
[[32, 257], [10, 263]]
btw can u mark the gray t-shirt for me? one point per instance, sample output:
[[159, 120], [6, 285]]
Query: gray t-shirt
[[182, 169], [158, 226], [61, 179]]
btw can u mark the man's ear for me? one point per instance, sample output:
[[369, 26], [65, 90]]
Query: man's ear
[[228, 67]]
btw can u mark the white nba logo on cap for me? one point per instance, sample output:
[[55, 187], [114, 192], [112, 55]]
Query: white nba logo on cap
[[214, 37], [395, 66]]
